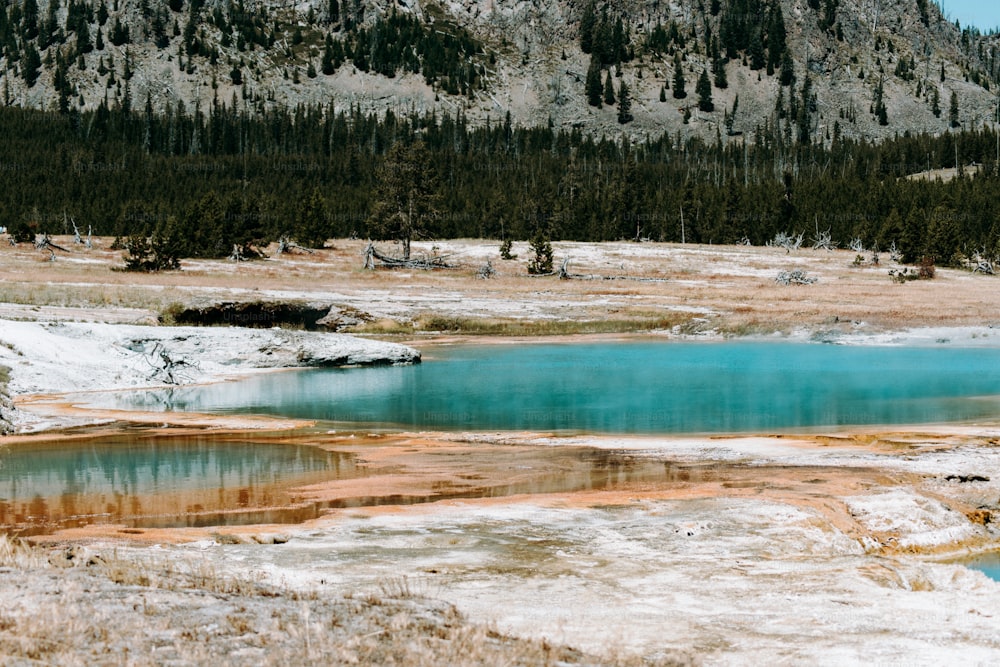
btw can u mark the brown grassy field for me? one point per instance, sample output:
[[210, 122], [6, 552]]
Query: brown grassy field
[[679, 288]]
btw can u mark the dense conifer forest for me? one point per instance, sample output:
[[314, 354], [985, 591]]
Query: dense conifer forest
[[209, 179], [197, 180]]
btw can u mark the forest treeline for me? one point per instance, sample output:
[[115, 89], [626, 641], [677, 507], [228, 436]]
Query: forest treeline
[[209, 179]]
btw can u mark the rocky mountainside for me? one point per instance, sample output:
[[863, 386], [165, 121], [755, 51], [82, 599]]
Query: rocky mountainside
[[863, 68]]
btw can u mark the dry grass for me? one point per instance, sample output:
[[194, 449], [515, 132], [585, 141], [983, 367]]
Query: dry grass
[[488, 326], [18, 554], [202, 575], [727, 288], [111, 609]]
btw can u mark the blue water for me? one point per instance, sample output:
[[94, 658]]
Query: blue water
[[157, 480], [649, 387], [988, 564]]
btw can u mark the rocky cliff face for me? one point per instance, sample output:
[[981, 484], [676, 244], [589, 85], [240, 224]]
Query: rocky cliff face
[[530, 65]]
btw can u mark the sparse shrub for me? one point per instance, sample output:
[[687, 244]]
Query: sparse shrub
[[22, 232], [170, 314], [926, 270], [158, 253], [486, 271]]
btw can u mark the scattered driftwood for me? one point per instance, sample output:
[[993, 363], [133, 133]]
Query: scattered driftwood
[[237, 254], [77, 238], [894, 253], [286, 245], [434, 262], [982, 263], [43, 242], [796, 277], [745, 241], [486, 271], [858, 246], [165, 368], [564, 274], [789, 242], [824, 241]]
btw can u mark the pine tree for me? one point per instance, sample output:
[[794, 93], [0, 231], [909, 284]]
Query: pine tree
[[405, 196], [588, 21], [776, 38], [663, 94], [541, 264], [881, 113], [944, 237], [609, 90], [29, 19], [804, 112], [704, 91], [911, 240], [119, 33], [32, 63], [624, 104], [83, 43], [757, 60], [721, 80], [603, 40], [593, 88], [953, 111], [312, 227], [619, 40], [327, 66], [730, 117], [936, 103], [787, 76], [924, 15], [679, 92], [892, 229]]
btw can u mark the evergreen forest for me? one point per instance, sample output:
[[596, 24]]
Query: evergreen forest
[[209, 179]]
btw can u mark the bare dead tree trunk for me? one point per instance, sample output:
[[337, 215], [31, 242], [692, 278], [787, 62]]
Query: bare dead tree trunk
[[370, 256], [408, 231]]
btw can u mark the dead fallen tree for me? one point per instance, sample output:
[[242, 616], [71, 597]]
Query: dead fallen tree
[[824, 241], [796, 277], [564, 274], [372, 255], [789, 242], [286, 245], [981, 262], [43, 242], [77, 238], [486, 271], [165, 368]]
